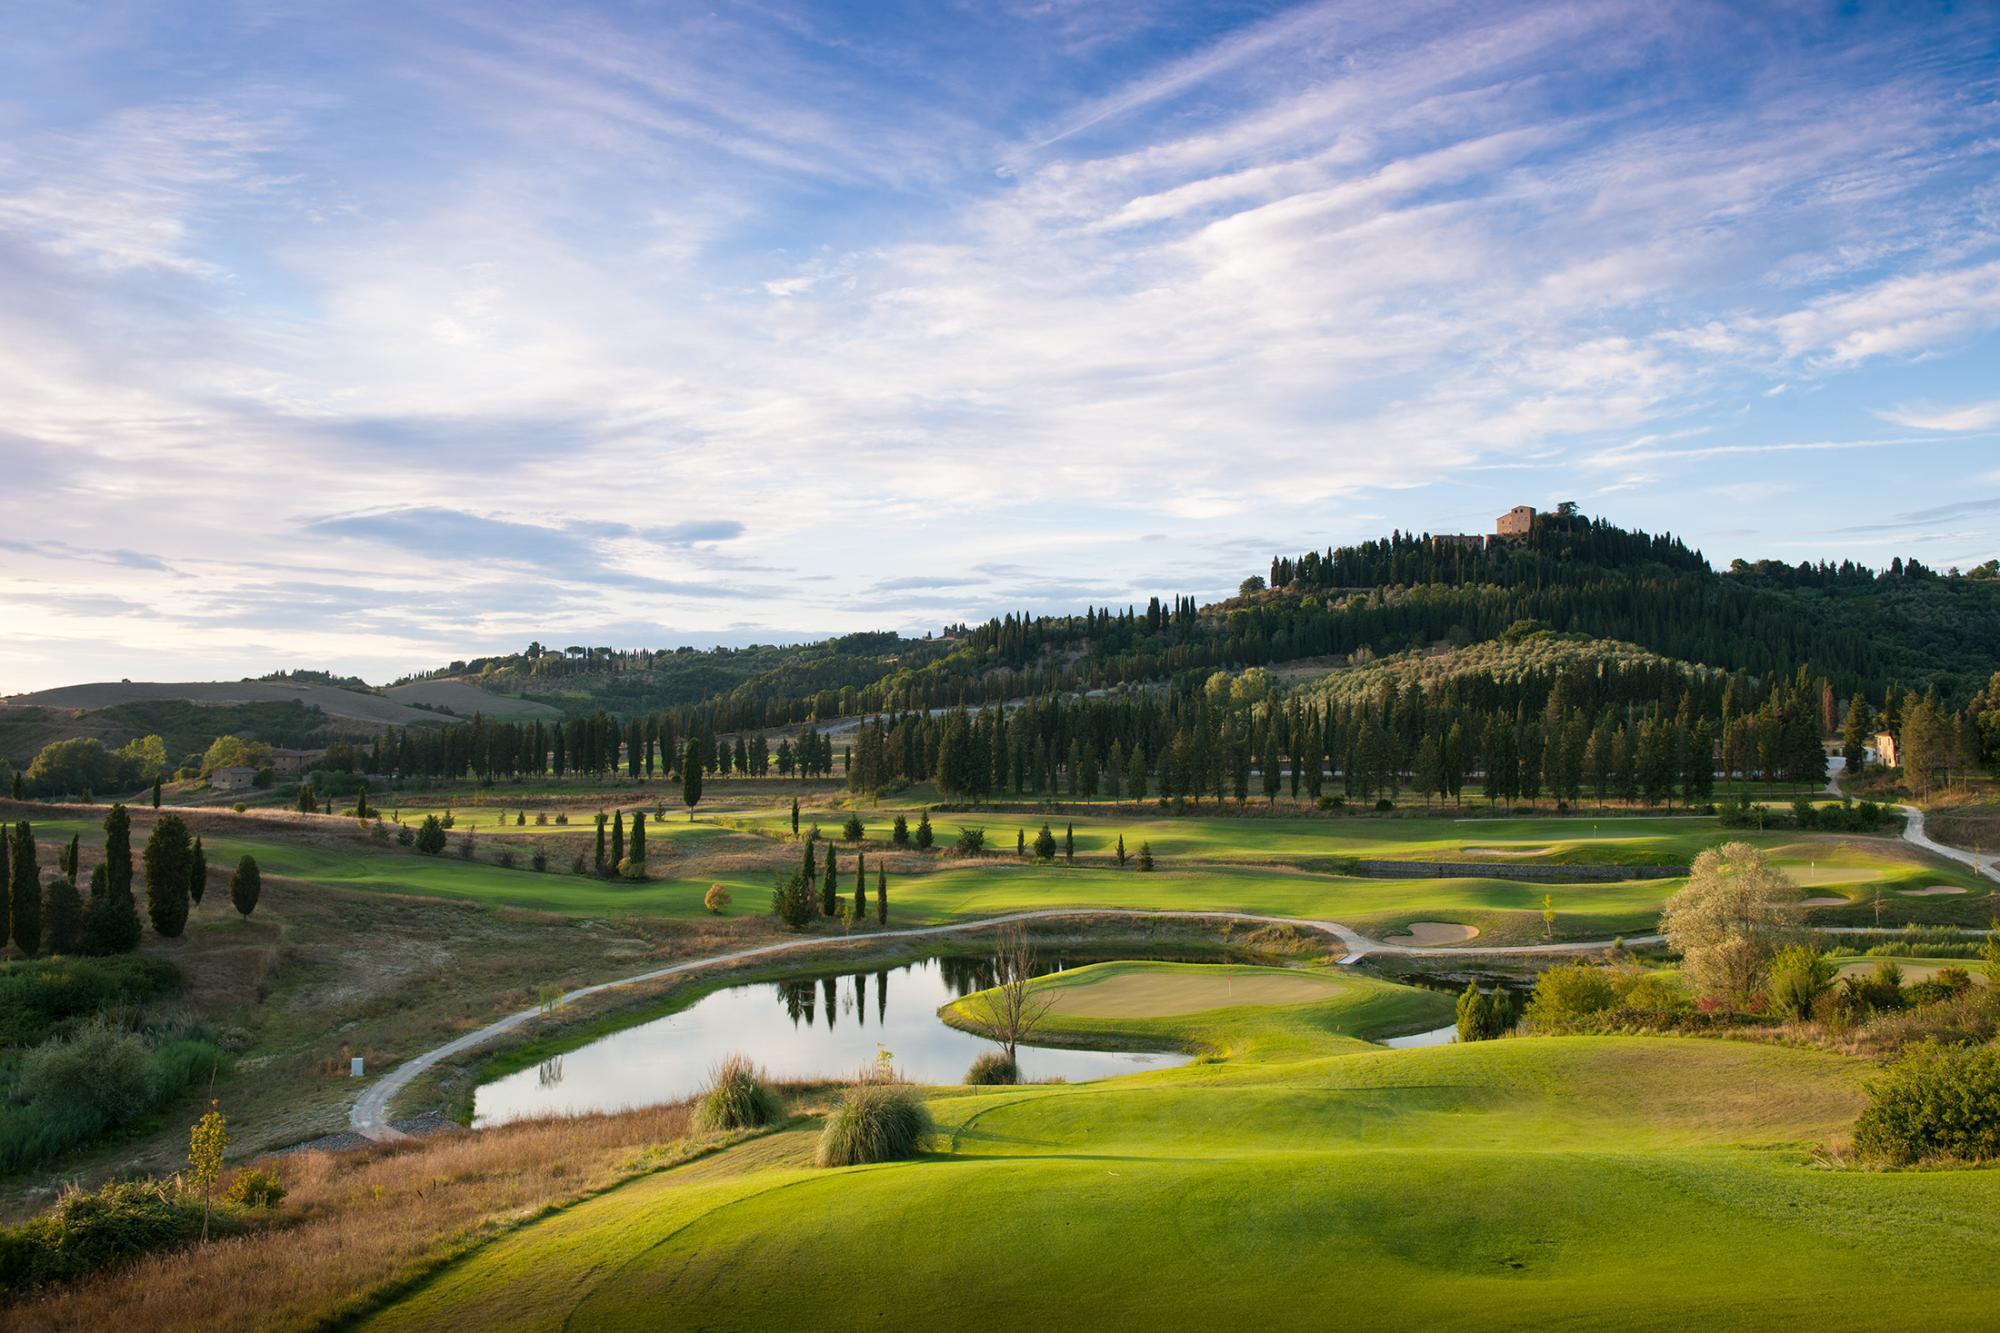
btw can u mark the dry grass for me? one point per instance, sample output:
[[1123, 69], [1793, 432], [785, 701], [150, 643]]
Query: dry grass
[[357, 1226]]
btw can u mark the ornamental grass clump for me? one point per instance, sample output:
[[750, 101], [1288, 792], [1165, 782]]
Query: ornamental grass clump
[[737, 1097], [993, 1068], [874, 1122]]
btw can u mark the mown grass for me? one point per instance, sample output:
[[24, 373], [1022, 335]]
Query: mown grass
[[1565, 1181]]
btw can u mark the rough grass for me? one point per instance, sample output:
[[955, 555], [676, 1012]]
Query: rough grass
[[737, 1097], [354, 1226]]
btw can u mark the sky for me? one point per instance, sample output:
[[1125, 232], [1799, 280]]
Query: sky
[[368, 336]]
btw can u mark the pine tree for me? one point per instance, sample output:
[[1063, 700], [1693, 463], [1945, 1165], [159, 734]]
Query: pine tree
[[245, 885], [924, 835], [795, 818], [197, 872], [1021, 843], [882, 894], [1145, 856], [26, 907], [1045, 844], [169, 857], [691, 782], [899, 832], [62, 916], [156, 793], [1121, 849], [70, 857], [598, 861], [1854, 737], [1069, 843]]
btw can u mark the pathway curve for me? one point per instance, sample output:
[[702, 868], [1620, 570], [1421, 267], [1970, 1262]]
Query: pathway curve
[[370, 1116]]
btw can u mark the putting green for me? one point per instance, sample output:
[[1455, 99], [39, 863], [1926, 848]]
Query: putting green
[[1164, 992]]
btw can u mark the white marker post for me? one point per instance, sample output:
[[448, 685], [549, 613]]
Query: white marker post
[[354, 1067]]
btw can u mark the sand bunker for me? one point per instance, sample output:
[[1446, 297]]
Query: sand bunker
[[1823, 902], [1912, 971], [1934, 891], [1508, 851], [1431, 934], [1157, 994]]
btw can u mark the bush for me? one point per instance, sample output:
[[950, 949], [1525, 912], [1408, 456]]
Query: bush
[[1800, 974], [716, 899], [255, 1187], [874, 1122], [540, 860], [1937, 1102], [852, 829], [39, 995], [1569, 991], [404, 837], [1484, 1017], [86, 1231], [899, 832], [101, 1073], [992, 1068], [430, 838], [736, 1098], [971, 841]]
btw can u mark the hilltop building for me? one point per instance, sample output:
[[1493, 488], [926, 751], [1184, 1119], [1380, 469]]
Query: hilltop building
[[1512, 526]]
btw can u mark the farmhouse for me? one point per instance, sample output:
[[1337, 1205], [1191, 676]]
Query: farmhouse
[[234, 778], [291, 763], [1885, 750], [1515, 524]]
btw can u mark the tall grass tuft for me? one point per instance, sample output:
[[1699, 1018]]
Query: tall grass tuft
[[874, 1122], [737, 1098], [992, 1068]]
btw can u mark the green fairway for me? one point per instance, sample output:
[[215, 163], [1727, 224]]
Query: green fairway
[[1508, 1183]]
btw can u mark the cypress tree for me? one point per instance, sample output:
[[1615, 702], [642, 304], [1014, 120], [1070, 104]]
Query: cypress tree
[[156, 793], [691, 781], [245, 885], [809, 872], [1069, 843], [617, 839], [197, 872], [795, 816], [110, 920], [1021, 843], [62, 916], [1121, 849], [70, 858], [26, 907], [168, 856], [861, 886], [637, 853], [882, 894], [828, 891]]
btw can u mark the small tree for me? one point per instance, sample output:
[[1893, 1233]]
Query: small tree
[[156, 793], [197, 872], [1800, 974], [1012, 1008], [829, 891], [1548, 914], [716, 900], [635, 854], [924, 835], [1069, 843], [1021, 843], [691, 763], [1145, 856], [245, 885], [25, 908], [1045, 845], [430, 837], [882, 896], [795, 817], [1121, 849], [1481, 1016], [169, 856], [861, 886], [899, 832], [852, 830], [62, 916], [207, 1142], [791, 900], [1734, 913]]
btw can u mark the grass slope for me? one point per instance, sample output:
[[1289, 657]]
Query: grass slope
[[1567, 1181]]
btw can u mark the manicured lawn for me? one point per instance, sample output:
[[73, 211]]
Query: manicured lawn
[[1553, 1181]]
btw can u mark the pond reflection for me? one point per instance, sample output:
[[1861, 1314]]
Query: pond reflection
[[802, 1027]]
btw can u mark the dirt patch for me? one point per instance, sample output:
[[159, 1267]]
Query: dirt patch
[[1934, 891], [1434, 934]]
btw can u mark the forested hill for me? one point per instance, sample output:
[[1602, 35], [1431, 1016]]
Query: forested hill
[[1861, 630]]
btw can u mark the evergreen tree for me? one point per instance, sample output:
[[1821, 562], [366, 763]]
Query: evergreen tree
[[597, 860], [861, 886], [70, 858], [1069, 843], [1121, 849], [1854, 737], [829, 890], [62, 916], [6, 879], [899, 832], [26, 908], [809, 869], [156, 793], [430, 836], [795, 818], [1135, 775], [111, 920], [635, 855], [882, 895], [1145, 856], [924, 835], [245, 885], [169, 857], [1045, 844], [617, 840], [691, 782], [197, 872], [1021, 843]]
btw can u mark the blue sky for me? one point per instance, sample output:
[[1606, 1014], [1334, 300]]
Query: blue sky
[[366, 336]]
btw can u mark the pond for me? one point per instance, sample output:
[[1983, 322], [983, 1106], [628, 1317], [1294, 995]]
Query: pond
[[822, 1026]]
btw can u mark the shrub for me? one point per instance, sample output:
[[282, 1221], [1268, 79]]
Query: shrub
[[1935, 1102], [736, 1098], [101, 1074], [1383, 805], [971, 841], [1800, 974], [716, 899], [404, 837], [87, 1230], [39, 995], [1483, 1017], [255, 1187], [1146, 856], [540, 859], [852, 829], [430, 838], [992, 1068], [1569, 991], [505, 860], [874, 1122], [899, 832], [924, 835]]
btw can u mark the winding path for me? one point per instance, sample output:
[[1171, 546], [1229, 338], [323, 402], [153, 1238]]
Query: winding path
[[370, 1116]]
